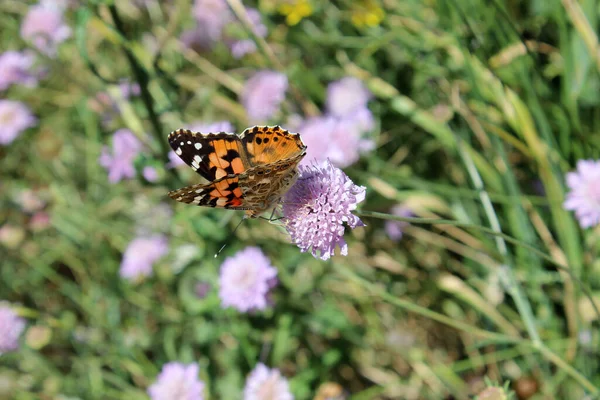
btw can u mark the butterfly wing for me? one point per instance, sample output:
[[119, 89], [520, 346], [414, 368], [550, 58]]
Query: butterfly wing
[[222, 193], [212, 155], [270, 144]]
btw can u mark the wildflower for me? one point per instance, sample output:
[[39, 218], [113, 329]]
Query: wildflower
[[125, 148], [330, 138], [11, 328], [16, 68], [367, 13], [347, 99], [219, 126], [212, 16], [150, 174], [240, 48], [395, 229], [584, 196], [177, 381], [43, 26], [295, 10], [263, 94], [246, 279], [316, 208], [266, 384], [15, 117], [141, 254]]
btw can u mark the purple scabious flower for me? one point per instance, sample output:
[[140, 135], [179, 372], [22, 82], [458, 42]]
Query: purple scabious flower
[[141, 254], [11, 328], [177, 381], [125, 148], [150, 174], [266, 384], [316, 208], [246, 279], [395, 229], [16, 68], [15, 117], [212, 16], [584, 196], [44, 27], [348, 98], [337, 140], [263, 94]]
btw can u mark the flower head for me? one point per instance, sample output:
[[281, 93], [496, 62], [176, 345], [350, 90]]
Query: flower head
[[125, 148], [263, 94], [212, 16], [337, 140], [44, 27], [395, 229], [295, 10], [141, 254], [266, 384], [584, 197], [11, 327], [150, 174], [246, 279], [316, 208], [16, 68], [241, 47], [15, 117], [177, 381], [347, 99]]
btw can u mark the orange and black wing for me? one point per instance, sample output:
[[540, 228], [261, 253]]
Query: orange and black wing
[[222, 193], [269, 144], [212, 155]]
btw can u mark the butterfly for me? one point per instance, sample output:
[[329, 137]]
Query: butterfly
[[250, 171]]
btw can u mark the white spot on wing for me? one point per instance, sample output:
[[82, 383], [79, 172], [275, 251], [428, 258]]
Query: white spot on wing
[[189, 142], [198, 145], [178, 151]]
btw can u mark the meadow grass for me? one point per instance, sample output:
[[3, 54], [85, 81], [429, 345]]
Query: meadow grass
[[480, 110]]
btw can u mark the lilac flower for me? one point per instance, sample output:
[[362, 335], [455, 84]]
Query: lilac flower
[[263, 94], [43, 26], [141, 254], [317, 206], [219, 126], [125, 148], [11, 328], [584, 197], [347, 99], [177, 381], [212, 16], [16, 68], [15, 117], [266, 384], [240, 48], [246, 279], [335, 139], [150, 174], [394, 229]]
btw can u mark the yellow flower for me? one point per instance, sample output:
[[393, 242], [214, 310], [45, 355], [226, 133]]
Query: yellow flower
[[295, 10], [367, 14]]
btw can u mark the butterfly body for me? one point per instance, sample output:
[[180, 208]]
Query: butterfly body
[[250, 171]]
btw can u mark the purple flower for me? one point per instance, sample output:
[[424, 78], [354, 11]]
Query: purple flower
[[15, 117], [11, 328], [394, 229], [125, 148], [263, 94], [177, 381], [335, 139], [16, 68], [219, 126], [246, 279], [212, 16], [141, 254], [584, 197], [150, 174], [240, 48], [316, 208], [43, 26], [346, 97], [266, 384]]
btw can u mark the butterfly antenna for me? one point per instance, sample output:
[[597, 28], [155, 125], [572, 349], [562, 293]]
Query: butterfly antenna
[[230, 237]]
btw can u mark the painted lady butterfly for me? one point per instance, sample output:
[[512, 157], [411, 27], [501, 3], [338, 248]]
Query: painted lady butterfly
[[250, 171]]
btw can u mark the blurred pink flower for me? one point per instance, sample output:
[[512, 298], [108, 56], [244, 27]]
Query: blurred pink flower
[[15, 117], [335, 139], [266, 384], [395, 229], [125, 148], [584, 196], [44, 27], [246, 279], [11, 328], [241, 47], [263, 94], [212, 16], [141, 254], [150, 174], [177, 381], [16, 68]]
